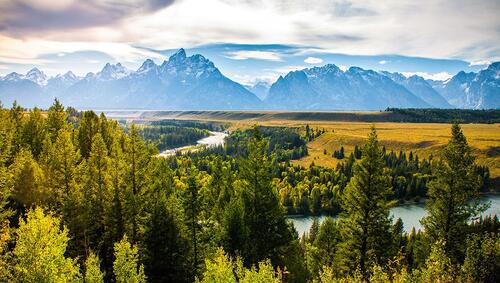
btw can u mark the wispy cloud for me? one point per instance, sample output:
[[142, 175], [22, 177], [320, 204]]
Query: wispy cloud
[[30, 29], [254, 54], [383, 62], [442, 76], [313, 60]]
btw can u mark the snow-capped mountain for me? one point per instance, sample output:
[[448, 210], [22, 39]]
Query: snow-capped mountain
[[193, 82], [421, 88], [37, 76], [26, 89], [328, 87], [260, 88], [473, 90], [181, 82]]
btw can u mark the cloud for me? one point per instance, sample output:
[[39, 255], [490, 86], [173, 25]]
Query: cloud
[[383, 62], [26, 17], [254, 54], [442, 76], [313, 60], [480, 63], [31, 28]]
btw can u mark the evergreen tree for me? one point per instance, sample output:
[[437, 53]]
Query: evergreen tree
[[451, 196], [268, 231], [482, 260], [365, 222], [27, 180], [56, 119], [165, 241], [63, 162], [137, 159], [96, 193]]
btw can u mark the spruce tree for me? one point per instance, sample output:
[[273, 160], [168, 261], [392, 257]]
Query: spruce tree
[[264, 216], [451, 196], [365, 222]]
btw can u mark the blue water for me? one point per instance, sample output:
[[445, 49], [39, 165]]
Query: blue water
[[410, 214]]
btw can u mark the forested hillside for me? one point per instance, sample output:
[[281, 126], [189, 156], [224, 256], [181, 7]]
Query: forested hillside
[[83, 199]]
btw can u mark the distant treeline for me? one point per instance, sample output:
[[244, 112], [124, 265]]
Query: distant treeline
[[211, 126], [419, 115], [167, 137]]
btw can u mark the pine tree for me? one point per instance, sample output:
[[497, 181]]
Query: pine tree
[[27, 180], [365, 222], [137, 159], [265, 218], [40, 248], [63, 162], [451, 196], [96, 193], [165, 242], [56, 119]]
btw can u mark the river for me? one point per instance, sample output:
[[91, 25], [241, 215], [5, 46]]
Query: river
[[410, 214], [215, 139]]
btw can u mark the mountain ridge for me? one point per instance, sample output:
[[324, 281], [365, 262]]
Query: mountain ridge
[[195, 83]]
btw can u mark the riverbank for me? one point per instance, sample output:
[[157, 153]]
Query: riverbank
[[215, 139], [411, 214]]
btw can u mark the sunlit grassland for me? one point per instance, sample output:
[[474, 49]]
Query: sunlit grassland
[[421, 138]]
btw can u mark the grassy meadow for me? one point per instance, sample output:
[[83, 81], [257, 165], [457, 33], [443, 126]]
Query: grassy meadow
[[348, 129], [421, 138]]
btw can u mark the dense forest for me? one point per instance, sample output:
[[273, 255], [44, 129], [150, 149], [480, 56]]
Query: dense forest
[[82, 199], [435, 115], [167, 137]]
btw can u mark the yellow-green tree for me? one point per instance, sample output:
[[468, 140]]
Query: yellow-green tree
[[126, 267], [93, 273], [40, 248]]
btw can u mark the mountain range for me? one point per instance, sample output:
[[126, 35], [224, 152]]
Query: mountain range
[[194, 83]]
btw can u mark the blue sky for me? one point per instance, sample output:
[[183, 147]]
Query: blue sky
[[252, 40]]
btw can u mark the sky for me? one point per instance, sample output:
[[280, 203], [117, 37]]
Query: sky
[[252, 40]]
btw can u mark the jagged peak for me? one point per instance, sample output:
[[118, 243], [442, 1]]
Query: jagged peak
[[494, 66], [180, 55], [147, 65]]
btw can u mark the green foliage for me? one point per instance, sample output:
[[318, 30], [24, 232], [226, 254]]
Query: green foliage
[[93, 273], [482, 260], [103, 181], [365, 223], [439, 267], [40, 248], [221, 269], [166, 137], [126, 266], [452, 196], [444, 115], [263, 215]]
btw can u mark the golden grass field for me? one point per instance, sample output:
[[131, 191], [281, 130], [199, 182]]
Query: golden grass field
[[421, 138]]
